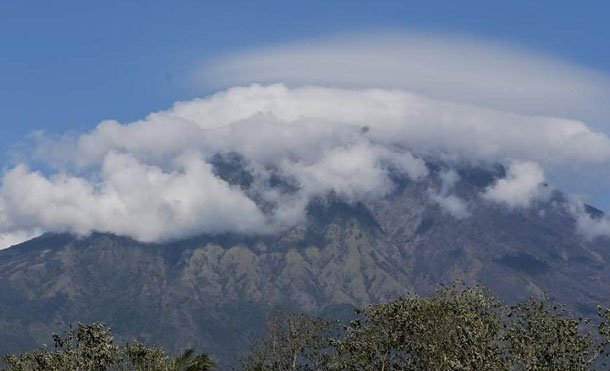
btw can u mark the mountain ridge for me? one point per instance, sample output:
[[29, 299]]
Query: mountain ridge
[[210, 292]]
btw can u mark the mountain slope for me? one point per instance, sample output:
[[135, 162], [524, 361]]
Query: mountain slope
[[211, 292]]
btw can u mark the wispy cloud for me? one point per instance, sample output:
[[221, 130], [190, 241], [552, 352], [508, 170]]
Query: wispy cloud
[[523, 184], [449, 203], [448, 67]]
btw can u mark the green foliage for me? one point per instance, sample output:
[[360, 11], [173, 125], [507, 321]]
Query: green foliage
[[92, 348], [455, 329], [542, 336], [451, 330], [138, 357], [191, 361]]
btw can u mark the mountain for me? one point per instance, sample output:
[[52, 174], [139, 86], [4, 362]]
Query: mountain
[[211, 292]]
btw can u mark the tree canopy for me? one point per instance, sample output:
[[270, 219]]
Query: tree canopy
[[456, 328], [92, 348]]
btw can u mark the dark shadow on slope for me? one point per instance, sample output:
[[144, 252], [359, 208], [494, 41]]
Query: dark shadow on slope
[[232, 168], [525, 263], [322, 213]]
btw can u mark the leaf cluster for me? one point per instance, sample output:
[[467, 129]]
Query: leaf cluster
[[456, 328], [91, 347]]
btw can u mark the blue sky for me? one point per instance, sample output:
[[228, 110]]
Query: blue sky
[[67, 65]]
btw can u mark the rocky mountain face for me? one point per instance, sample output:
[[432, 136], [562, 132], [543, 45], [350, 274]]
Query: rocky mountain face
[[211, 292]]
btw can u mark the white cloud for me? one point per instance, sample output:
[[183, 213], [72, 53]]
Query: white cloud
[[449, 203], [481, 103], [353, 173], [448, 180], [452, 204], [8, 239], [132, 198], [262, 121], [522, 185], [592, 228], [448, 67], [406, 163], [588, 225], [151, 180]]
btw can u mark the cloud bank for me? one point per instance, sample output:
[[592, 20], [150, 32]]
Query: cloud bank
[[248, 159]]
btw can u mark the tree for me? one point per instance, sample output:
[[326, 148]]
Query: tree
[[139, 357], [450, 330], [191, 361], [92, 348], [291, 342], [545, 336], [89, 348], [456, 328]]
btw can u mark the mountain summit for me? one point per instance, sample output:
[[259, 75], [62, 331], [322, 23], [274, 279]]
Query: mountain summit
[[211, 291]]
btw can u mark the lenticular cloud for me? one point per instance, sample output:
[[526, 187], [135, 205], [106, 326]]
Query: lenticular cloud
[[154, 179]]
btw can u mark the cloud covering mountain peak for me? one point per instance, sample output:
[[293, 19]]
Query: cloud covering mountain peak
[[155, 180]]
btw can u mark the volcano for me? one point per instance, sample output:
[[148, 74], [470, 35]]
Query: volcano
[[211, 292]]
